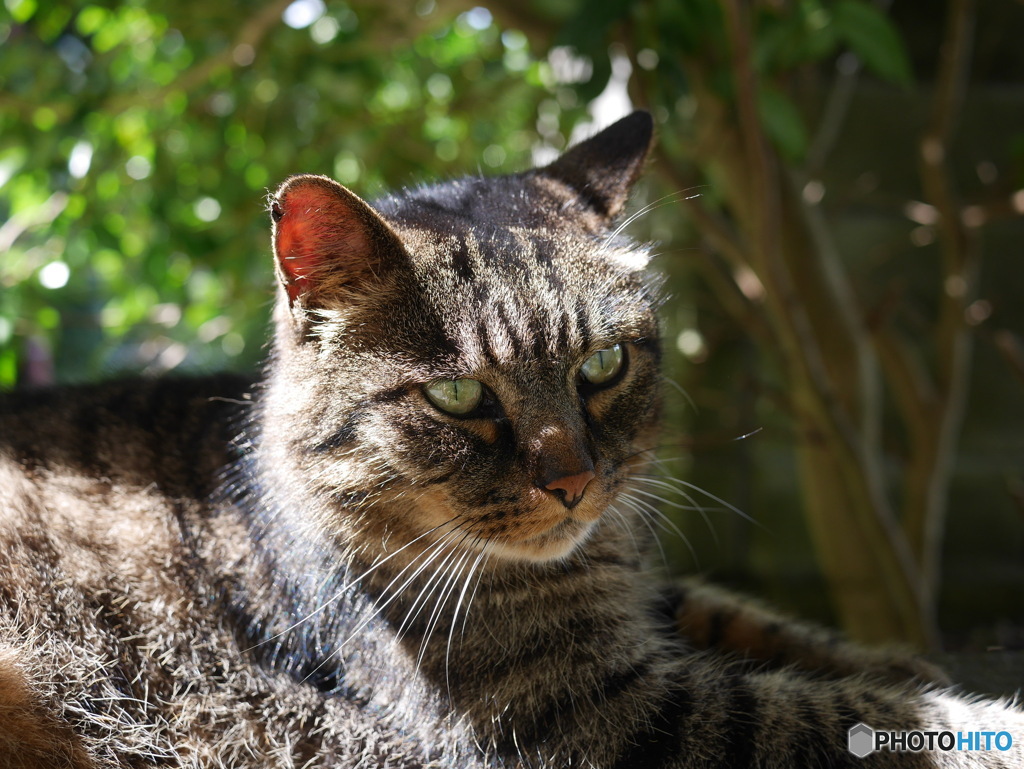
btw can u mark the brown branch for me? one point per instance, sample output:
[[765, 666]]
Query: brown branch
[[800, 343], [850, 319], [747, 314], [837, 106], [1012, 350], [936, 441], [843, 483], [936, 175], [763, 203], [911, 386], [727, 244]]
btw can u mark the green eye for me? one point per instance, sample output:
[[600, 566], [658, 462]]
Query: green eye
[[603, 366], [456, 396]]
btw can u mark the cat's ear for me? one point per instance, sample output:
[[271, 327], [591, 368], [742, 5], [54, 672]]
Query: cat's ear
[[603, 168], [327, 238]]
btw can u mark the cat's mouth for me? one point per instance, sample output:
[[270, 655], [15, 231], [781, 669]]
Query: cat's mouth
[[536, 528], [548, 531]]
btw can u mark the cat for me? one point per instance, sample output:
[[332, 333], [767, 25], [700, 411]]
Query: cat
[[409, 542]]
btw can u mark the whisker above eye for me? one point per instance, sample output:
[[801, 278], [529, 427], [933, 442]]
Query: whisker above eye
[[672, 197]]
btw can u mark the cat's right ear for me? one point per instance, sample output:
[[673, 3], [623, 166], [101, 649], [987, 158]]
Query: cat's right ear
[[603, 168], [327, 240]]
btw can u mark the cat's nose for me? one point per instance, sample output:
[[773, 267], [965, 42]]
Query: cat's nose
[[569, 488]]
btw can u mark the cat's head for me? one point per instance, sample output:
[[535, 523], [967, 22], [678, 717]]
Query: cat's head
[[476, 359]]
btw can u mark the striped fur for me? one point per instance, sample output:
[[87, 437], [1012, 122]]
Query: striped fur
[[323, 568]]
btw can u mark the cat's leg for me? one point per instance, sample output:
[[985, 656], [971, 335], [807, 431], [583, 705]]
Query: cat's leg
[[778, 720], [30, 737], [640, 708], [712, 618]]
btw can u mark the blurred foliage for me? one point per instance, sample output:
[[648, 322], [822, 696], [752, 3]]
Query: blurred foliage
[[138, 141]]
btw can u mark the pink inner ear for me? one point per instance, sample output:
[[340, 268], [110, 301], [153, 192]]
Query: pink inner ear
[[317, 233]]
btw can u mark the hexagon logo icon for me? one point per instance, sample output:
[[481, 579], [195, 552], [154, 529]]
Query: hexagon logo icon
[[861, 740]]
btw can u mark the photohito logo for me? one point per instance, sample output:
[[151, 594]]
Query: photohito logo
[[862, 740]]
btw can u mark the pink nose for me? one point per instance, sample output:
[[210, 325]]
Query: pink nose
[[570, 488]]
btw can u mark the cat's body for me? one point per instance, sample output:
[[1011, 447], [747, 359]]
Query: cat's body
[[408, 544]]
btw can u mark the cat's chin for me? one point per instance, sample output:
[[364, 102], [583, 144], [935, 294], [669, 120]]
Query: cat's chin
[[555, 543]]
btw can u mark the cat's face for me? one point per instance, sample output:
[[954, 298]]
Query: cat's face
[[477, 360]]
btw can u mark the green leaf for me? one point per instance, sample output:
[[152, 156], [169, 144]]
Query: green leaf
[[783, 41], [873, 37], [690, 26], [783, 122], [8, 368], [588, 29], [22, 10]]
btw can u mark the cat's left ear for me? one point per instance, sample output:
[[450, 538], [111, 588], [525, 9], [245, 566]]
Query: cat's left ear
[[603, 168], [327, 240]]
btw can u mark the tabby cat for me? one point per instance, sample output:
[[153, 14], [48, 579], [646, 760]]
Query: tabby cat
[[411, 542]]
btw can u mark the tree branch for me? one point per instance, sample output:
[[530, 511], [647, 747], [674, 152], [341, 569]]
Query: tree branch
[[848, 507], [936, 439]]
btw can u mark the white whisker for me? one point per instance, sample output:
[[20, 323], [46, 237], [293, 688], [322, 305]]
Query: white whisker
[[666, 524], [663, 522], [438, 610], [455, 615], [694, 506], [485, 554], [348, 586], [672, 197], [679, 388], [431, 553], [432, 581], [709, 495], [623, 523]]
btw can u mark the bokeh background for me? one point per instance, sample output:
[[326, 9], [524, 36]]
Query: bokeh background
[[837, 198]]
